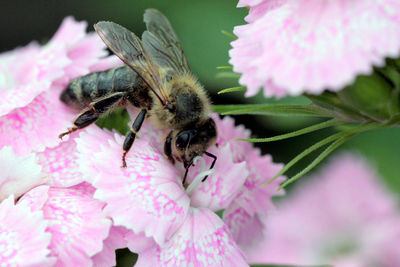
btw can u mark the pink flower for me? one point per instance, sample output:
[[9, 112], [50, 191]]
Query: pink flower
[[75, 221], [342, 217], [148, 196], [253, 201], [23, 238], [295, 46], [31, 80], [18, 173]]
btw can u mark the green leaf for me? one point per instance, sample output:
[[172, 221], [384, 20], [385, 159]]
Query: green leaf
[[230, 35], [227, 74], [309, 129], [268, 109], [224, 67], [117, 119], [232, 89]]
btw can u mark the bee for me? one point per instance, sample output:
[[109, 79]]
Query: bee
[[157, 79]]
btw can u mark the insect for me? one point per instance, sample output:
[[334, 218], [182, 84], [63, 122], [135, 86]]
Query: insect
[[157, 79]]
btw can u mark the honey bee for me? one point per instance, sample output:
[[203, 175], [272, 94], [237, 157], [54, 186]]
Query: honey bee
[[157, 79]]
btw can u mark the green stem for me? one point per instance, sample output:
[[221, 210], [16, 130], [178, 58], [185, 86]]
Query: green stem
[[315, 127]]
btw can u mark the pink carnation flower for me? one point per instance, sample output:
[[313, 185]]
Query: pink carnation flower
[[342, 217], [244, 214], [75, 221], [23, 237], [295, 46], [31, 80], [148, 196]]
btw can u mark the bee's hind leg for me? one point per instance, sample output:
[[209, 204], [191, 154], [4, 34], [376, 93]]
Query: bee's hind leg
[[130, 137], [93, 112]]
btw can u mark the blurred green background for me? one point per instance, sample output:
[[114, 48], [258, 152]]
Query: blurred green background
[[199, 25]]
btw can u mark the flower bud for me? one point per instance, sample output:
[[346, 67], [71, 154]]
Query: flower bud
[[371, 96]]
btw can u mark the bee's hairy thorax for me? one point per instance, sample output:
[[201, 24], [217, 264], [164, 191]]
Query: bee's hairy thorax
[[188, 100]]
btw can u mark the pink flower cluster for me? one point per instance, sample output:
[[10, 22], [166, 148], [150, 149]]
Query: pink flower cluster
[[290, 47], [343, 216], [81, 205]]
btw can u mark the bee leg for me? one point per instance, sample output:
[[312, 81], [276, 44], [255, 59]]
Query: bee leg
[[212, 164], [187, 166], [167, 148], [130, 137], [91, 114]]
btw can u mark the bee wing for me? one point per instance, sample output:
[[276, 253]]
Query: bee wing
[[163, 42], [128, 47]]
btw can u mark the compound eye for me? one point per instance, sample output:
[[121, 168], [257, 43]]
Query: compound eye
[[182, 140]]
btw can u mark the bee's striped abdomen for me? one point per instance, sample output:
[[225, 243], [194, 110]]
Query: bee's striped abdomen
[[86, 89]]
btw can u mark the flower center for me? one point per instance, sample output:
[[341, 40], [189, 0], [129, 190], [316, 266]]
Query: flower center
[[202, 174]]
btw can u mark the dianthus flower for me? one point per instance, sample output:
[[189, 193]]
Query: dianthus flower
[[290, 47], [148, 198], [31, 79], [343, 216]]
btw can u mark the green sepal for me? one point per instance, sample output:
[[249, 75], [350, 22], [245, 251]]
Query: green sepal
[[332, 104], [371, 95]]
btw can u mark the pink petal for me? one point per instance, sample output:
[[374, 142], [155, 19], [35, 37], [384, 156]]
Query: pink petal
[[114, 241], [25, 73], [203, 240], [22, 243], [76, 222], [36, 126], [18, 173], [146, 196], [60, 163], [36, 198], [218, 191], [247, 229]]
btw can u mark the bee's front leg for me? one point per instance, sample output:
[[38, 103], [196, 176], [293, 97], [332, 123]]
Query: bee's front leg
[[93, 112], [168, 149], [130, 137]]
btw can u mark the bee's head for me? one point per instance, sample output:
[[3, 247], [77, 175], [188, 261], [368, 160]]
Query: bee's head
[[193, 141]]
